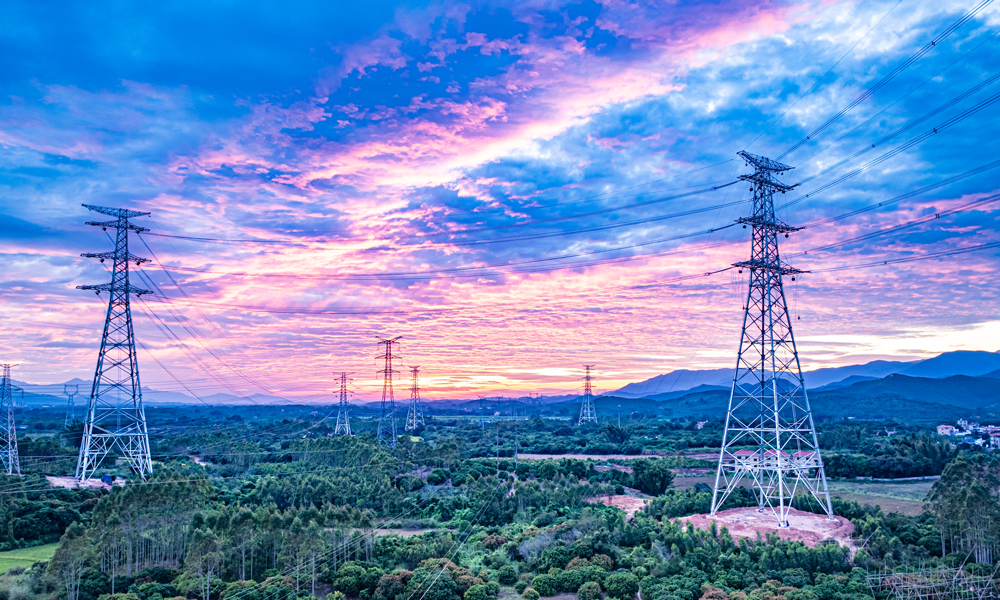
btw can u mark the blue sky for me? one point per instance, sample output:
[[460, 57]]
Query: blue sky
[[506, 185]]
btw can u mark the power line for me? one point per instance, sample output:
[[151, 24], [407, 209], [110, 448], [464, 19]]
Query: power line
[[868, 93]]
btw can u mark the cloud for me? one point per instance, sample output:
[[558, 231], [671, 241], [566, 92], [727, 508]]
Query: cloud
[[373, 163]]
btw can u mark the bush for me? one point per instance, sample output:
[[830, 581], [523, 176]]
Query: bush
[[589, 591], [507, 575], [477, 592], [530, 594], [622, 586], [520, 586], [545, 585], [438, 476], [570, 581]]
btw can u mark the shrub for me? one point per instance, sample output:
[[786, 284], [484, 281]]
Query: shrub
[[622, 586], [589, 591], [438, 476], [507, 575], [530, 594], [520, 586], [477, 592], [570, 580], [545, 585]]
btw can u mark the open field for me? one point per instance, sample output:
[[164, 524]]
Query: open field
[[906, 498], [25, 557]]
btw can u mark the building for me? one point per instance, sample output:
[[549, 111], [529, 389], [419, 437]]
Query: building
[[946, 430], [995, 439]]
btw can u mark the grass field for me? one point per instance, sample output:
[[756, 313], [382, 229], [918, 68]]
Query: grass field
[[25, 557], [906, 498]]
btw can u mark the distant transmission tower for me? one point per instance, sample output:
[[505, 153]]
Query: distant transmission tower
[[769, 417], [70, 406], [387, 420], [343, 418], [587, 412], [8, 435], [115, 416], [415, 415]]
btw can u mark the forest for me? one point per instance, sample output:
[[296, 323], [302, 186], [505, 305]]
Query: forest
[[277, 508]]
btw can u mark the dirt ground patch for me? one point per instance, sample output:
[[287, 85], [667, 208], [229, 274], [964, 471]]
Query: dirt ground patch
[[598, 457], [629, 504], [70, 483], [805, 527], [622, 468]]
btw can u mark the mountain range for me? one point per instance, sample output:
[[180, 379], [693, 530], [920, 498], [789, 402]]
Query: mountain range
[[971, 363]]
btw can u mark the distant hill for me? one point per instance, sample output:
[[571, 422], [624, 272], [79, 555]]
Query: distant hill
[[844, 383], [961, 362], [899, 397]]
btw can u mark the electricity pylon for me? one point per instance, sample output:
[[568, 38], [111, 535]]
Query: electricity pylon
[[587, 412], [115, 415], [8, 435], [387, 421], [415, 415], [343, 418], [769, 417], [70, 406]]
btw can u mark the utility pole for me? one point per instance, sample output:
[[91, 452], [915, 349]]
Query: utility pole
[[587, 412], [415, 415], [387, 420], [8, 435], [70, 407], [769, 414], [343, 418], [115, 415]]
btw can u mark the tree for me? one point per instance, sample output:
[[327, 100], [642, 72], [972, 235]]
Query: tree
[[203, 557], [651, 477], [622, 586], [71, 556], [589, 591]]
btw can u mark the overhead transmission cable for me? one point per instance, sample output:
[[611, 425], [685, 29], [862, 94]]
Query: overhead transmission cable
[[868, 93], [820, 80]]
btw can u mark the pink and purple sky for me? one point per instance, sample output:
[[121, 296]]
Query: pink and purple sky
[[494, 181]]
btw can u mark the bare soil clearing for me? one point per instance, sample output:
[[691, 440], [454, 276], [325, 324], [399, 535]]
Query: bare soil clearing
[[590, 456], [70, 483], [805, 527], [629, 504]]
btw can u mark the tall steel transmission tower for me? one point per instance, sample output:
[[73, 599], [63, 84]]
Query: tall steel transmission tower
[[343, 418], [769, 419], [387, 421], [587, 412], [115, 416], [70, 406], [415, 414], [8, 435]]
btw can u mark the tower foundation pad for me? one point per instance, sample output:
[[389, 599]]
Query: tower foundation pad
[[808, 528]]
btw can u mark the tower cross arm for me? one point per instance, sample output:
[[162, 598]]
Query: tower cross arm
[[762, 178], [113, 255], [770, 224], [107, 287], [119, 225], [760, 266], [115, 212], [763, 163]]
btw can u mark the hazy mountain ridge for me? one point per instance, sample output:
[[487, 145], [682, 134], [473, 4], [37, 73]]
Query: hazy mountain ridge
[[972, 363]]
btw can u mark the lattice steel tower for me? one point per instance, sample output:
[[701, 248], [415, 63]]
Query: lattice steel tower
[[415, 414], [8, 435], [587, 412], [115, 417], [70, 406], [343, 418], [387, 421], [769, 419]]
